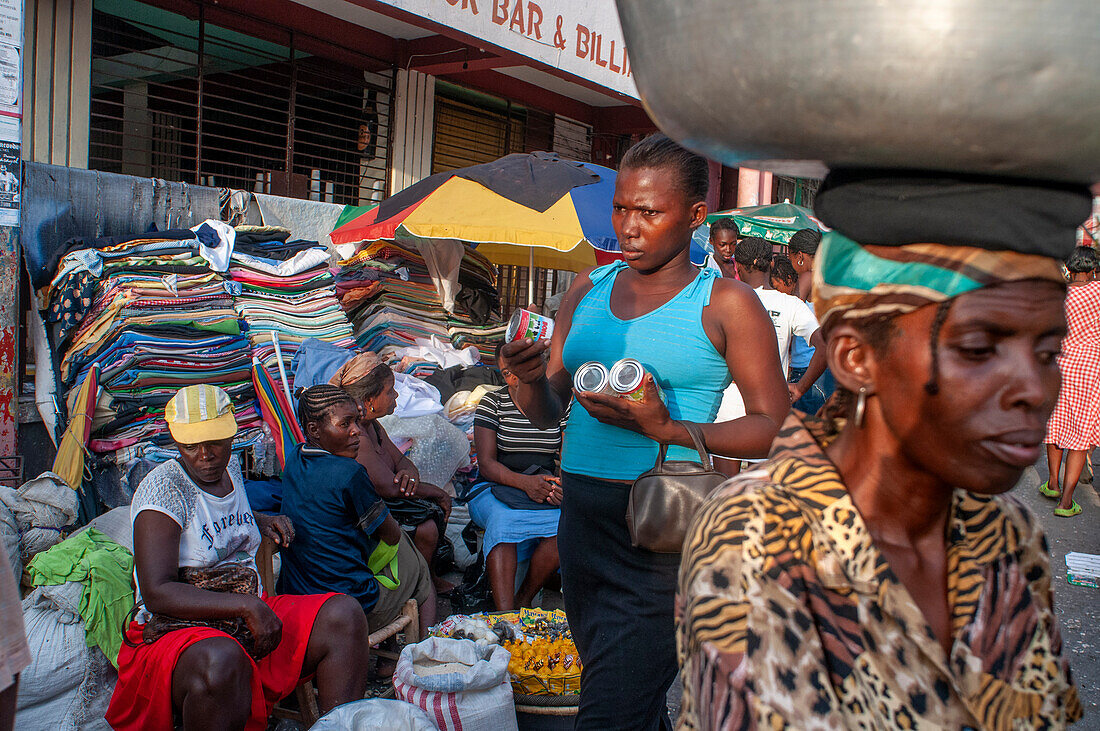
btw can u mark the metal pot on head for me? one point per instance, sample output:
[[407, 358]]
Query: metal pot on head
[[999, 87]]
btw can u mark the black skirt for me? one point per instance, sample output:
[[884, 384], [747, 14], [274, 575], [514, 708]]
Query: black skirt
[[619, 601]]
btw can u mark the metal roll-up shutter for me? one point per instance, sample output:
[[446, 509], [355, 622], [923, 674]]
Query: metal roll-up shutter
[[466, 134], [205, 95]]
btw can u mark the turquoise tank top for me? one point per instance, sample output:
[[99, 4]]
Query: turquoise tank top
[[671, 344]]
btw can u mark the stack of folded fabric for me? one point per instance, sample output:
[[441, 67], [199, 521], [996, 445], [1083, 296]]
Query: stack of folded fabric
[[391, 299], [287, 295], [155, 318]]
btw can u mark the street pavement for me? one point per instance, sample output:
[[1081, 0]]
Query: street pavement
[[1078, 607]]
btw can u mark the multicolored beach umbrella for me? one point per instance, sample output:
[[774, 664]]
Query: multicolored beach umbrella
[[775, 222], [276, 412], [510, 209]]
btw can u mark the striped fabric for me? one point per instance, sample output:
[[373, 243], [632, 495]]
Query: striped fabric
[[857, 282], [520, 444]]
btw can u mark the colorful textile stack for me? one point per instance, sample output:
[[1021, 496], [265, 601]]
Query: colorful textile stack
[[290, 308], [389, 296], [154, 318]]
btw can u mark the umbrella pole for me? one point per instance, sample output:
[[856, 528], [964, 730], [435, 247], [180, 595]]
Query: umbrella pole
[[282, 370], [531, 276]]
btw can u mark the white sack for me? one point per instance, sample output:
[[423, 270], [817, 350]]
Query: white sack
[[455, 679], [375, 713]]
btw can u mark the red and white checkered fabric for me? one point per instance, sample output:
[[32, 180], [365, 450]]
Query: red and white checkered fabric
[[1075, 423]]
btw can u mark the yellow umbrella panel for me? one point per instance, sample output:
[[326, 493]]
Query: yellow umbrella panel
[[503, 230]]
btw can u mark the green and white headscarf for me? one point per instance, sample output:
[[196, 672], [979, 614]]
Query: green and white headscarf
[[854, 282]]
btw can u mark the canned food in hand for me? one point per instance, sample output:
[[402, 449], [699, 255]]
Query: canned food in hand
[[526, 324], [627, 379], [592, 377]]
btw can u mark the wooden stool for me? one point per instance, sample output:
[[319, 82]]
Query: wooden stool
[[308, 711]]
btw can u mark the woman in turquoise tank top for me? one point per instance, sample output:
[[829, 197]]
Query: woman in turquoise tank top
[[690, 330]]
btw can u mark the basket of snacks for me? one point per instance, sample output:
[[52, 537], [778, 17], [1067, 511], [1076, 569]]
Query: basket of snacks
[[544, 660]]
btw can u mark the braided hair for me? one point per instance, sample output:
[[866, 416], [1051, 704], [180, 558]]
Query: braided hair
[[783, 270], [754, 253], [933, 386], [1083, 259], [805, 241], [315, 402]]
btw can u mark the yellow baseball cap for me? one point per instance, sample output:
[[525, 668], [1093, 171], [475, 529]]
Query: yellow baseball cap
[[201, 413]]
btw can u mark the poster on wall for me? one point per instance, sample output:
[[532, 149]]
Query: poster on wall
[[11, 48], [10, 194]]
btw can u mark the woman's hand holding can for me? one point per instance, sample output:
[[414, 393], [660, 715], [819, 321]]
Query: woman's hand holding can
[[648, 416], [526, 359]]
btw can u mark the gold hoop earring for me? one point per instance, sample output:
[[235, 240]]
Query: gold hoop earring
[[861, 407]]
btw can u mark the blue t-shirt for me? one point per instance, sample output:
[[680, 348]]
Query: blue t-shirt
[[801, 350], [335, 512]]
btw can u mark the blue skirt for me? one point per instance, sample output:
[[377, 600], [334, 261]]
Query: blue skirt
[[503, 524]]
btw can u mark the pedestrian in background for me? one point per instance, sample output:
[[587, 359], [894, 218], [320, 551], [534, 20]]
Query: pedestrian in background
[[791, 317], [723, 240], [803, 247], [1074, 427]]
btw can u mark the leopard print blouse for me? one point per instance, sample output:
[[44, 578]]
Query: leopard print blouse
[[790, 618]]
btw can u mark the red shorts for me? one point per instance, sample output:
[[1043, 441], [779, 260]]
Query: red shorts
[[143, 695]]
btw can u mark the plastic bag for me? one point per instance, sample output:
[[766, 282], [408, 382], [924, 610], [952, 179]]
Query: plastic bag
[[459, 684], [375, 713], [439, 448]]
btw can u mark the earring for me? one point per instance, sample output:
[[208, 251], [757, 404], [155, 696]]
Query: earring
[[861, 407]]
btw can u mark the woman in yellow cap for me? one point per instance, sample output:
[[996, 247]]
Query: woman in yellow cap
[[191, 519]]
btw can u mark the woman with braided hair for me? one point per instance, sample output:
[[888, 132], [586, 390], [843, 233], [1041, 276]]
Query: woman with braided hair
[[872, 573], [346, 540], [421, 508]]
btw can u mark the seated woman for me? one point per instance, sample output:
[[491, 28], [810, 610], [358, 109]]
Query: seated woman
[[517, 505], [345, 538], [873, 573], [419, 507], [191, 512]]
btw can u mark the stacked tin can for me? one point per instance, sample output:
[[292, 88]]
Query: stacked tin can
[[626, 379]]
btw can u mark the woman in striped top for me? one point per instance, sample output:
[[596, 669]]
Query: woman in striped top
[[517, 501]]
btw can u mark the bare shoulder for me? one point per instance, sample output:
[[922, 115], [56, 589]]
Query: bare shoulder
[[732, 294]]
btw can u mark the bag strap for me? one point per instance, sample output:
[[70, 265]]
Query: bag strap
[[696, 433]]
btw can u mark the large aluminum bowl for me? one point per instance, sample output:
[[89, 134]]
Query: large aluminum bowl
[[1007, 87]]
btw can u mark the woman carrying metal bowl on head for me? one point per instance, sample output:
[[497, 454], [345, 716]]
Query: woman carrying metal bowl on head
[[688, 329], [872, 573]]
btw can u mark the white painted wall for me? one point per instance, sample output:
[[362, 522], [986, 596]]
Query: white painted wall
[[57, 52], [414, 123]]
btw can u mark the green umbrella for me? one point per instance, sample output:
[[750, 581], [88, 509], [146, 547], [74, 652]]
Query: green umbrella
[[775, 222]]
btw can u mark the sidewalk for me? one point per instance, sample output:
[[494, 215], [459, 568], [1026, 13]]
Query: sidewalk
[[1078, 607]]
